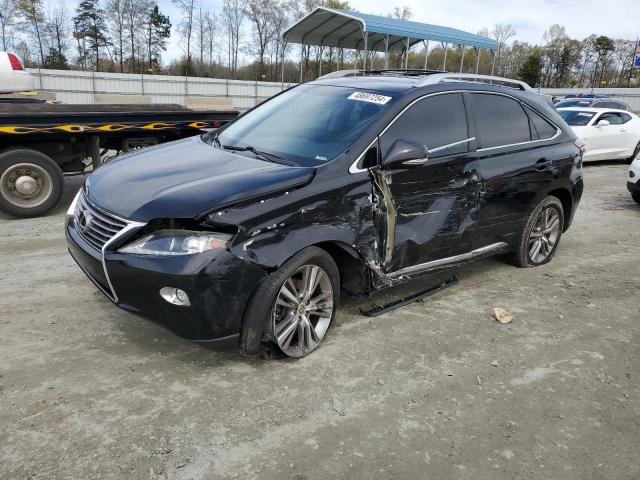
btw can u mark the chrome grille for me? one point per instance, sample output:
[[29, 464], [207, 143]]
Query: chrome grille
[[94, 225]]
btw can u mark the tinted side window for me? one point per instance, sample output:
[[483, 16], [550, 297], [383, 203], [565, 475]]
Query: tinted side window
[[613, 118], [499, 120], [542, 129], [625, 117], [436, 121]]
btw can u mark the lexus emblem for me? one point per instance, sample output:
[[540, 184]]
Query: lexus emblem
[[84, 220]]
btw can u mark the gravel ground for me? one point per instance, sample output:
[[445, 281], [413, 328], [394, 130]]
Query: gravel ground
[[437, 389]]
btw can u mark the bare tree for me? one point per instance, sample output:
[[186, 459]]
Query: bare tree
[[233, 14], [7, 20], [201, 34], [211, 26], [185, 27], [135, 15], [402, 13], [58, 29], [502, 32], [261, 14], [31, 11], [116, 19]]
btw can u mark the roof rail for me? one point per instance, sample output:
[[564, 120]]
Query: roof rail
[[404, 71], [341, 73], [461, 77], [431, 77]]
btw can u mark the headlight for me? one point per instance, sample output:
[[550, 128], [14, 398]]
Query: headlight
[[178, 242], [72, 208]]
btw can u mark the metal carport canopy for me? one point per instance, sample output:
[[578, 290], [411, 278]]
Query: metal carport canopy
[[345, 29]]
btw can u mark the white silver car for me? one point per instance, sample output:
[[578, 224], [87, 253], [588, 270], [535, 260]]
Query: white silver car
[[13, 77], [608, 134]]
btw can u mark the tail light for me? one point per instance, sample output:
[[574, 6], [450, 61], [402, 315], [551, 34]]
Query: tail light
[[581, 145], [15, 62]]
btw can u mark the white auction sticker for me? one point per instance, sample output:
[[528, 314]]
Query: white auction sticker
[[369, 97]]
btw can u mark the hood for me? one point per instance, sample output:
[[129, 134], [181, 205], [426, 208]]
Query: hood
[[185, 178]]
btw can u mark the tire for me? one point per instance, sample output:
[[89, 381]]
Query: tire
[[267, 317], [525, 254], [636, 197], [636, 151], [31, 183]]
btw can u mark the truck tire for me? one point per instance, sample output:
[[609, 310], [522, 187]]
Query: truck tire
[[31, 183]]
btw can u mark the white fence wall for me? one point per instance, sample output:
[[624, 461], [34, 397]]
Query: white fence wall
[[80, 87]]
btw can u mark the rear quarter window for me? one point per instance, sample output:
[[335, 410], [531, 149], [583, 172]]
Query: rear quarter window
[[499, 120], [542, 128]]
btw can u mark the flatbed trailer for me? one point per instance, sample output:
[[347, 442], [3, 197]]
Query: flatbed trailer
[[42, 142]]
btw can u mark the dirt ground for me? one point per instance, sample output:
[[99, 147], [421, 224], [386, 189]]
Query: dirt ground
[[435, 390]]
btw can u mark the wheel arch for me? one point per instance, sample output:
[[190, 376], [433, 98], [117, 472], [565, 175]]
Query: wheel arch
[[566, 200]]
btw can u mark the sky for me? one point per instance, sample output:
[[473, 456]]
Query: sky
[[616, 19]]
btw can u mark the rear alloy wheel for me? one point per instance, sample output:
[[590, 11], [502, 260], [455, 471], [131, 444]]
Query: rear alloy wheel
[[302, 311], [541, 234], [544, 235], [30, 183]]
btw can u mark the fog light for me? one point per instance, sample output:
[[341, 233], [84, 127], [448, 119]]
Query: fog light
[[175, 296], [632, 174]]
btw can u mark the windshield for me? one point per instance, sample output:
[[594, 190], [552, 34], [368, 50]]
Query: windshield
[[574, 102], [308, 125], [576, 118]]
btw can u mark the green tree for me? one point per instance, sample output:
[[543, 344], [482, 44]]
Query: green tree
[[90, 26], [55, 59], [531, 69], [603, 46], [158, 31]]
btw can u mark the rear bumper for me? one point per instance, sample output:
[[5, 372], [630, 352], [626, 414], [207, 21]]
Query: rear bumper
[[218, 284]]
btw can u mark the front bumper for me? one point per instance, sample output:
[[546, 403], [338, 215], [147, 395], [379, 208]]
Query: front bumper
[[218, 283]]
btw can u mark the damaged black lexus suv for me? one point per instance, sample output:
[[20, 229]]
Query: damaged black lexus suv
[[350, 183]]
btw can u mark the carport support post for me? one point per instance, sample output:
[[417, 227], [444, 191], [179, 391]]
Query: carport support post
[[462, 59], [426, 53], [406, 54], [282, 69], [320, 62], [477, 59], [444, 63], [364, 58], [301, 60], [386, 52]]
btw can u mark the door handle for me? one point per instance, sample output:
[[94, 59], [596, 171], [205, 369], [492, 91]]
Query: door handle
[[542, 164]]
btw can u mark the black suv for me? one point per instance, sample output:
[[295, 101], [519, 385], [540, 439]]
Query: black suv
[[354, 183]]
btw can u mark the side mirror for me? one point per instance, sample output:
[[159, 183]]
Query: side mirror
[[603, 123], [405, 153]]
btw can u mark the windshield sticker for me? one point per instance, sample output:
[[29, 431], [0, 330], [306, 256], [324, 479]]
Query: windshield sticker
[[369, 97]]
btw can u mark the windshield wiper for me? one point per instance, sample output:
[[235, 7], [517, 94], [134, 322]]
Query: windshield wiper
[[269, 157]]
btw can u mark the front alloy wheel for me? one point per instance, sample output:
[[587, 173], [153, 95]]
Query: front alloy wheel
[[303, 310]]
